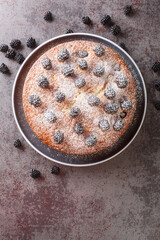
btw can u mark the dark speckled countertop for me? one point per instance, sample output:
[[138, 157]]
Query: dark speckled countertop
[[117, 200]]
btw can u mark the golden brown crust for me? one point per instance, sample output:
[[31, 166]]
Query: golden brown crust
[[90, 115]]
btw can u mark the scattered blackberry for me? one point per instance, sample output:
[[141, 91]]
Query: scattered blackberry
[[75, 111], [157, 105], [51, 117], [86, 20], [126, 104], [48, 16], [63, 55], [104, 125], [4, 69], [58, 137], [19, 58], [67, 70], [127, 9], [10, 54], [79, 129], [98, 70], [118, 125], [59, 97], [91, 141], [109, 93], [17, 143], [3, 48], [15, 43], [35, 173], [156, 67], [82, 54], [69, 31], [80, 82], [46, 63], [111, 108], [157, 86], [106, 19], [115, 29], [99, 50], [121, 81], [31, 42], [82, 64], [43, 82], [93, 100], [123, 114], [34, 100], [55, 170], [122, 45]]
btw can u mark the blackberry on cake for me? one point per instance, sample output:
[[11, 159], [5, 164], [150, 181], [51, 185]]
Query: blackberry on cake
[[58, 137], [80, 82], [98, 70], [99, 50], [82, 53], [59, 97], [118, 125], [34, 100], [111, 107], [75, 111], [83, 64], [91, 141], [63, 55], [93, 100], [43, 82], [67, 70], [104, 124], [46, 63], [79, 129]]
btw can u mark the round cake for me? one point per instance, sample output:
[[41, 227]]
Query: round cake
[[79, 97]]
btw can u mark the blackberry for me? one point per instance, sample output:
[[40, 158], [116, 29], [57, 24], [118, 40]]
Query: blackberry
[[46, 63], [59, 97], [156, 67], [67, 70], [17, 143], [111, 108], [75, 111], [82, 54], [55, 170], [79, 129], [98, 70], [31, 42], [121, 81], [104, 125], [115, 29], [99, 50], [50, 116], [106, 19], [69, 31], [58, 137], [91, 141], [63, 55], [48, 16], [109, 93], [19, 58], [35, 173], [86, 20], [157, 86], [15, 43], [127, 9], [93, 100], [82, 64], [123, 114], [126, 104], [122, 45], [118, 125], [4, 69], [43, 82], [3, 48], [10, 54], [80, 82], [157, 105], [34, 100]]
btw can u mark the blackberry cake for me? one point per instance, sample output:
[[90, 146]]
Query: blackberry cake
[[79, 97]]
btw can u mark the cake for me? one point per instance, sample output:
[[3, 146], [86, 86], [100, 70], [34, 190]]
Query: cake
[[79, 97]]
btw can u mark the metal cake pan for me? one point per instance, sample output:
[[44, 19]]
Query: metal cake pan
[[68, 159]]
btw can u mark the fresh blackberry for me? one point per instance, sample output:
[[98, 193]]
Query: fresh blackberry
[[106, 19], [127, 9], [17, 143], [75, 111], [31, 42], [69, 31], [35, 173], [19, 58], [43, 82], [82, 64], [111, 107], [104, 125], [3, 48], [99, 50], [50, 116], [48, 16], [86, 20], [59, 97], [115, 29], [79, 129], [93, 100], [80, 82], [58, 137], [123, 114], [10, 54], [55, 170], [34, 100], [157, 86], [63, 55], [15, 43], [4, 69], [122, 45], [98, 70], [156, 67], [91, 141], [67, 70], [157, 105]]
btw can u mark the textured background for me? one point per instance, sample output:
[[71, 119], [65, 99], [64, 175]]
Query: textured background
[[117, 200]]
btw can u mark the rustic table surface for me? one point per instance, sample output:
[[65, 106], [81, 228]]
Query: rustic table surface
[[117, 200]]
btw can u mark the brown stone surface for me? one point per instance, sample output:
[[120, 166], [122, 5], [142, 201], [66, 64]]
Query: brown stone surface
[[117, 200]]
